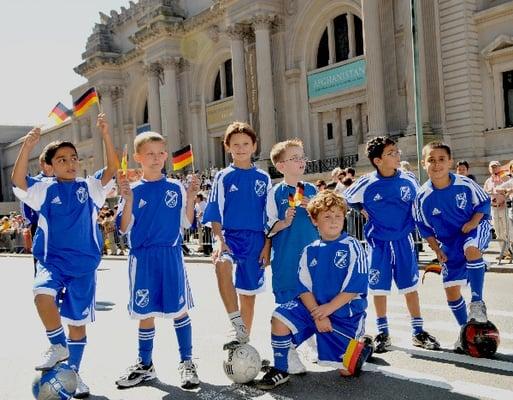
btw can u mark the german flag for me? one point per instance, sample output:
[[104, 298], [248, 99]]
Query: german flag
[[300, 193], [292, 202], [82, 104], [182, 157], [60, 113]]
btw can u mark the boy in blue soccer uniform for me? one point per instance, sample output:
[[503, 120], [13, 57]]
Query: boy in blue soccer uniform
[[387, 197], [332, 291], [453, 213], [236, 210], [152, 214], [67, 243]]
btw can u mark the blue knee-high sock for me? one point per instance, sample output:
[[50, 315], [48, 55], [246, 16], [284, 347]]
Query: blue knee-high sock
[[459, 309], [382, 324], [183, 329], [475, 273], [281, 346], [417, 325], [146, 337], [76, 351], [57, 336]]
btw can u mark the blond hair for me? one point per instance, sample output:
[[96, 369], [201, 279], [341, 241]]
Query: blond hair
[[325, 201], [146, 137], [279, 148]]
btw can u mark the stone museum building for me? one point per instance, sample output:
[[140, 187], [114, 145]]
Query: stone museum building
[[331, 72]]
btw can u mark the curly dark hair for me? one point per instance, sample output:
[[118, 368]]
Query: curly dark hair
[[376, 146]]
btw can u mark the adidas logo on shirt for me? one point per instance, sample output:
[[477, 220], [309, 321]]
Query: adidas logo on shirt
[[436, 211], [313, 263], [142, 203], [233, 188], [56, 200], [377, 197]]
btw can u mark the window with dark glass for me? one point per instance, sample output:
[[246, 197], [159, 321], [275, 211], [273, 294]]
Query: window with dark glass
[[229, 79], [341, 38], [507, 84], [329, 131], [145, 116], [323, 52], [349, 127], [358, 36], [217, 87]]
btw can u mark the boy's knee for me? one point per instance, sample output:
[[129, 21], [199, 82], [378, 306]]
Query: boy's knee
[[43, 299], [224, 268], [278, 327], [472, 253]]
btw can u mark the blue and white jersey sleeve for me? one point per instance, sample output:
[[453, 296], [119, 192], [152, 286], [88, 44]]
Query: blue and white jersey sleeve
[[35, 194], [420, 214], [97, 191], [354, 195], [356, 280], [272, 211], [184, 221], [480, 199], [305, 279], [215, 206]]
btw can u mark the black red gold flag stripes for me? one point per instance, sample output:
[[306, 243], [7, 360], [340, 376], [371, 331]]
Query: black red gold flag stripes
[[84, 102], [182, 157]]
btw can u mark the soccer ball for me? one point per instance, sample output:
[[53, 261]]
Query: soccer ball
[[59, 383], [243, 364]]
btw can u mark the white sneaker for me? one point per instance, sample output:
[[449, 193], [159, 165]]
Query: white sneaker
[[296, 367], [136, 374], [55, 354], [477, 312], [238, 335], [82, 389], [188, 375]]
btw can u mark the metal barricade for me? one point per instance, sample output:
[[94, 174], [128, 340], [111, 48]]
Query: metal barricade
[[507, 247]]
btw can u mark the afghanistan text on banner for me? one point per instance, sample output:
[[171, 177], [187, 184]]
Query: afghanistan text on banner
[[82, 104], [60, 113], [182, 157]]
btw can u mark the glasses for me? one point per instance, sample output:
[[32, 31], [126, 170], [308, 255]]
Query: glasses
[[394, 153], [296, 159]]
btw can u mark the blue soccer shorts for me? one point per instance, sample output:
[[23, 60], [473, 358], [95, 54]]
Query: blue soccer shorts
[[454, 270], [76, 295], [158, 283], [246, 247], [394, 259], [331, 346]]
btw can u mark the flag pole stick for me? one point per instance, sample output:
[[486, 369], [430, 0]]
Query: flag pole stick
[[100, 108], [193, 169]]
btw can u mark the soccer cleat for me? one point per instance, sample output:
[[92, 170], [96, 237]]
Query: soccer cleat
[[238, 335], [477, 312], [136, 374], [274, 377], [458, 348], [55, 354], [426, 341], [382, 342], [82, 389], [188, 375], [296, 367]]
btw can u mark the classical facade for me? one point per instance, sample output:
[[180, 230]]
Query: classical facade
[[331, 72]]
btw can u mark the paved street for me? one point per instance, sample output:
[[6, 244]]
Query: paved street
[[403, 373]]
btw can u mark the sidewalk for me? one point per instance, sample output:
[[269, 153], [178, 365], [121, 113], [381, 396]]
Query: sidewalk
[[425, 258]]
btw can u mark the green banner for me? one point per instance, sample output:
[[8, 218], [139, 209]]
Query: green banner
[[337, 79]]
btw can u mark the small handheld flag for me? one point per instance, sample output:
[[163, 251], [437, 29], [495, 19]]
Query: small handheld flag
[[434, 267], [60, 113], [300, 193], [182, 157], [357, 353], [292, 202], [84, 102], [124, 160]]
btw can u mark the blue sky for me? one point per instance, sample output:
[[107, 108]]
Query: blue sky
[[40, 44]]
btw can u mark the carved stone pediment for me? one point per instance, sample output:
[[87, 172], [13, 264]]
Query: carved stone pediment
[[501, 46]]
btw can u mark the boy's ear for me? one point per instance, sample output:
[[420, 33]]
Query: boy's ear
[[137, 157], [377, 160]]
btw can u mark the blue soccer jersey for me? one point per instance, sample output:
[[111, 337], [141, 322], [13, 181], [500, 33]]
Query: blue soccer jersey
[[328, 268], [68, 236], [158, 213], [29, 215], [288, 244], [238, 197], [442, 212], [388, 202]]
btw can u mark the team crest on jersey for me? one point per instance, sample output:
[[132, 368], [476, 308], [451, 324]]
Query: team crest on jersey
[[142, 297], [405, 193], [461, 200], [82, 195], [373, 276], [340, 259], [289, 305], [259, 187], [171, 198], [445, 272]]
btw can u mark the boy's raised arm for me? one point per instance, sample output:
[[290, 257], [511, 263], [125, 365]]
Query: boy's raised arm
[[20, 169], [112, 158]]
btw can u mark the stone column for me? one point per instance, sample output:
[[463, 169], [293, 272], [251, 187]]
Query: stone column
[[153, 73], [262, 25], [375, 82], [169, 99], [222, 80], [240, 98], [350, 35], [331, 43], [291, 103], [199, 156]]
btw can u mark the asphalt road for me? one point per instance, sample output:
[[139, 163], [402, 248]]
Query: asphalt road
[[404, 373]]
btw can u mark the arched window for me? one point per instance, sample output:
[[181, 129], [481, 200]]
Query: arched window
[[223, 86], [342, 39]]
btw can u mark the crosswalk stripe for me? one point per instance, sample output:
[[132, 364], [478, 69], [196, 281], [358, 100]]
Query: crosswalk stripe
[[460, 387]]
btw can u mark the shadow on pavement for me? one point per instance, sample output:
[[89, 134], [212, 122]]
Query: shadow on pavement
[[104, 305]]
